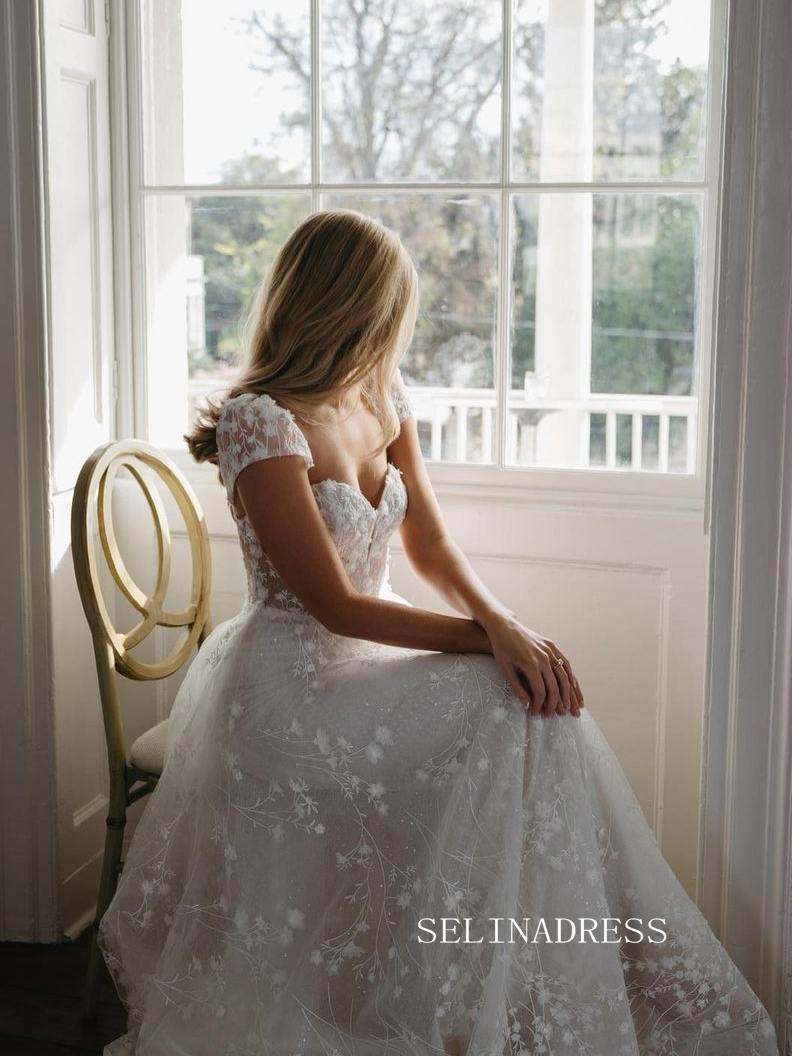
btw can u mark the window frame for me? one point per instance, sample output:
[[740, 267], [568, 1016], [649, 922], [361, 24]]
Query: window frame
[[594, 487]]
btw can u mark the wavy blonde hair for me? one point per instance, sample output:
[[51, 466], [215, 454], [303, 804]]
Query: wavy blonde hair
[[338, 305]]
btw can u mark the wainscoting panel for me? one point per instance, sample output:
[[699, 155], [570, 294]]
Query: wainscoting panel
[[622, 592]]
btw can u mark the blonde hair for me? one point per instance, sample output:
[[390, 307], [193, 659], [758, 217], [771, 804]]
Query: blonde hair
[[338, 306]]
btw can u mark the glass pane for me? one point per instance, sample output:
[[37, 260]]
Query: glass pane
[[604, 330], [411, 90], [651, 441], [205, 258], [614, 92], [597, 441], [680, 434], [449, 366], [645, 292], [226, 91], [623, 451]]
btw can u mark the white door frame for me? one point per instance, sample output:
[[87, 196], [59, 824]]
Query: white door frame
[[28, 858], [745, 888]]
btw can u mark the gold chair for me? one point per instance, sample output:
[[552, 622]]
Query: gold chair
[[133, 772]]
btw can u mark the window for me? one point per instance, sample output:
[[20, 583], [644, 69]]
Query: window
[[546, 162]]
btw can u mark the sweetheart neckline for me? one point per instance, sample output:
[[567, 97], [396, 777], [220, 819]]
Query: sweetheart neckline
[[351, 487], [341, 484]]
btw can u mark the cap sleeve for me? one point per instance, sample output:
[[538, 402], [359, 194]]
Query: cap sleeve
[[252, 428], [401, 400]]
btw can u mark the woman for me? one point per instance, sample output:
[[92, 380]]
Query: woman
[[382, 830]]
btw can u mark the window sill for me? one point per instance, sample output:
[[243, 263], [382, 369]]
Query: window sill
[[576, 491]]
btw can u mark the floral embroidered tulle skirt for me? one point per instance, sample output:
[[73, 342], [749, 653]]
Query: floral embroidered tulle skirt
[[327, 804]]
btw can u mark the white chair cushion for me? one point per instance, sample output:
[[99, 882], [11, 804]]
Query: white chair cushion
[[148, 751]]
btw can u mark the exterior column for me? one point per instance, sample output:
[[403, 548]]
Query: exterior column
[[563, 283]]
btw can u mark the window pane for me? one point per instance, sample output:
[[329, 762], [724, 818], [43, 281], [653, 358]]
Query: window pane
[[609, 89], [604, 330], [226, 91], [205, 258], [411, 90], [449, 366]]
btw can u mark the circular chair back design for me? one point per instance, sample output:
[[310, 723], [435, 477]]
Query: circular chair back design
[[92, 514], [133, 773]]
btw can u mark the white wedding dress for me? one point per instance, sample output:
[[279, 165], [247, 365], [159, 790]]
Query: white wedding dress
[[323, 794]]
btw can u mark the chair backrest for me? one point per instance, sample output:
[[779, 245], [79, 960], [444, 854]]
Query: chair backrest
[[92, 518]]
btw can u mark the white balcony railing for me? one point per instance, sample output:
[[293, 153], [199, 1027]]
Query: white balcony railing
[[613, 431]]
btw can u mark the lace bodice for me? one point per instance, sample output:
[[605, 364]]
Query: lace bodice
[[252, 428]]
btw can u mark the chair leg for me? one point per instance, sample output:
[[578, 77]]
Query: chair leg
[[111, 867]]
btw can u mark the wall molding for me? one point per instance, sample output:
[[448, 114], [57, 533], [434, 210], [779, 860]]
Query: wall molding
[[97, 805], [86, 25], [746, 852], [608, 492]]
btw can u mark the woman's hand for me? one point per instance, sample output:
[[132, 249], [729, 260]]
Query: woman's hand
[[530, 663]]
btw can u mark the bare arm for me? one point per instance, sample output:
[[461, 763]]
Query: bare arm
[[276, 496], [526, 657], [434, 555]]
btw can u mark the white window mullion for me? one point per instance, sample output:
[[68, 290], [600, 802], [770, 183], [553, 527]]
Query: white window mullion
[[405, 187], [316, 104], [502, 351], [126, 362], [136, 204], [699, 424]]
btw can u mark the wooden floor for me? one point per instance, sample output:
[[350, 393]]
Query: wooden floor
[[41, 997]]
